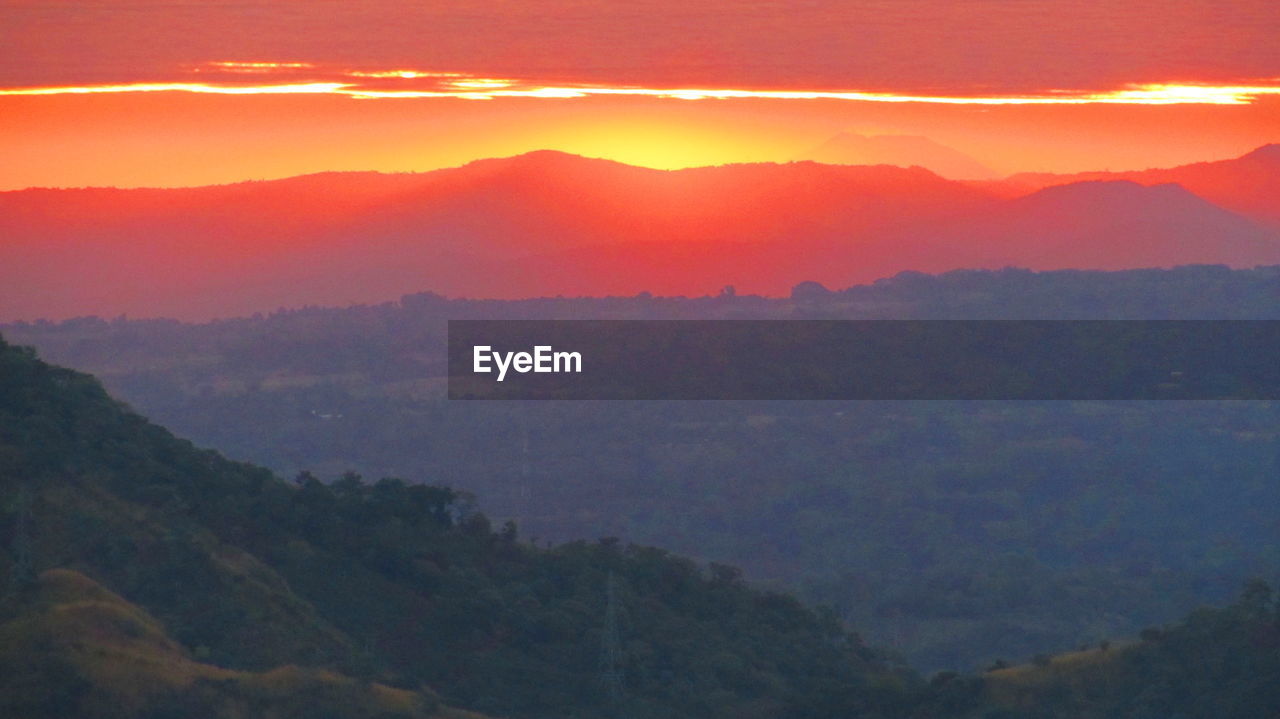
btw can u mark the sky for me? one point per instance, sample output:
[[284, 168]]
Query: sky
[[148, 93]]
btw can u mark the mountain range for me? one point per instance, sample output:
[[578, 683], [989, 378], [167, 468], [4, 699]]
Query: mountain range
[[548, 223]]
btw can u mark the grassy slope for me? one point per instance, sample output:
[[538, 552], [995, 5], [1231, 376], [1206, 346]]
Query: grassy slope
[[70, 647]]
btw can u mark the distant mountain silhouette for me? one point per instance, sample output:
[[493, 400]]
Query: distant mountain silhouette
[[549, 223], [1090, 225], [1111, 225], [849, 148], [1249, 184], [352, 237]]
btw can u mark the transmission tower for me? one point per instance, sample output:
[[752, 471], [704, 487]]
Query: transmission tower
[[524, 461], [24, 569], [520, 502], [611, 646]]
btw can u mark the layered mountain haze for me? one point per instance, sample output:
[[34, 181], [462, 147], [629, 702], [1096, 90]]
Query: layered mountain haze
[[1113, 225], [848, 148], [1249, 184], [338, 238], [549, 223]]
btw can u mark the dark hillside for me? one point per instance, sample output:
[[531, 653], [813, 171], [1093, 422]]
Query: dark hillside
[[955, 532], [383, 581]]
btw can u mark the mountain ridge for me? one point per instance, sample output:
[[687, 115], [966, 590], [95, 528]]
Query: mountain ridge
[[549, 223], [1248, 184], [848, 148]]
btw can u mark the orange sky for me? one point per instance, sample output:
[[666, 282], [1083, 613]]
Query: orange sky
[[557, 54]]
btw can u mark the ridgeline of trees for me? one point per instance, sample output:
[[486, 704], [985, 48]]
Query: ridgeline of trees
[[1215, 663]]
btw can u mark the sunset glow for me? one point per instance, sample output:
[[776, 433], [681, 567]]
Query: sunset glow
[[400, 74], [233, 66], [604, 122], [186, 94]]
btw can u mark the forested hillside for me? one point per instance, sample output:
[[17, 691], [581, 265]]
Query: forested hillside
[[186, 579], [958, 532], [177, 583]]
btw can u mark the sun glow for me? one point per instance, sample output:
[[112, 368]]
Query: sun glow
[[399, 74], [234, 64], [256, 68], [481, 83]]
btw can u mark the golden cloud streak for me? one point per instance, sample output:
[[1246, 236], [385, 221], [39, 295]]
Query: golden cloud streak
[[254, 68], [1139, 95], [306, 88], [235, 64], [464, 86], [400, 74]]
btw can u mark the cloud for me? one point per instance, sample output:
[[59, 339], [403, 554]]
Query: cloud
[[399, 83]]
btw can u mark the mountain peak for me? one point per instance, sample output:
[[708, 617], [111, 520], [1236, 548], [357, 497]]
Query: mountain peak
[[850, 148], [1268, 153], [541, 158], [546, 155], [541, 162], [1093, 189], [1118, 195]]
